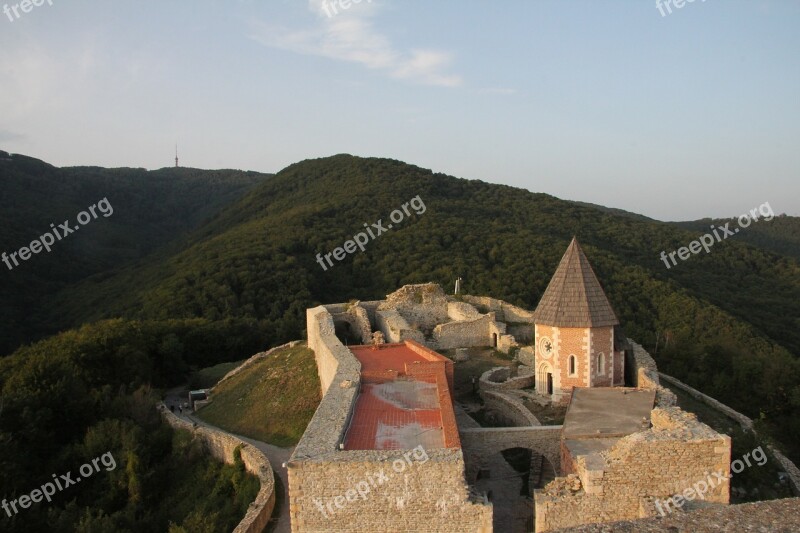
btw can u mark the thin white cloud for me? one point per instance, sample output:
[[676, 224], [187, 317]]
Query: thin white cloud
[[350, 35]]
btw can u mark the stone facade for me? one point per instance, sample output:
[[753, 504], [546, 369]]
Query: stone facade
[[673, 455], [400, 491], [464, 334], [615, 480], [480, 443], [576, 357]]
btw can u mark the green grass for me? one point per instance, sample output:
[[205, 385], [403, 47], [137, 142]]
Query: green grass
[[208, 377], [272, 401]]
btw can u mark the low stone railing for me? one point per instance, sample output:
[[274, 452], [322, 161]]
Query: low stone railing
[[222, 446]]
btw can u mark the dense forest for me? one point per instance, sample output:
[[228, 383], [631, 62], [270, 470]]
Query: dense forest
[[87, 392], [149, 211], [780, 236], [726, 322]]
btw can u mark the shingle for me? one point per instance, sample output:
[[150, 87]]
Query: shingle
[[574, 297]]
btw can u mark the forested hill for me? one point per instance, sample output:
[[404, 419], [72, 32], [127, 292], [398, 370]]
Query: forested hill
[[781, 235], [730, 316], [149, 211]]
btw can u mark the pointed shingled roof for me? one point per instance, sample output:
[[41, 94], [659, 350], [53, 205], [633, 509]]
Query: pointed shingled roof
[[574, 297]]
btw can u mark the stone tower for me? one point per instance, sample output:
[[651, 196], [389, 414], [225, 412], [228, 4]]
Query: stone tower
[[574, 331]]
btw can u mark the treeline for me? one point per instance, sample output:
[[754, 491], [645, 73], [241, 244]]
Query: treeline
[[717, 319], [78, 395]]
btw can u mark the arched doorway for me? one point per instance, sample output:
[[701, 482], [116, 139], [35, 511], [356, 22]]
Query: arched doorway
[[544, 379], [510, 476]]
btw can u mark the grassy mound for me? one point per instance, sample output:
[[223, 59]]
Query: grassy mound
[[272, 401]]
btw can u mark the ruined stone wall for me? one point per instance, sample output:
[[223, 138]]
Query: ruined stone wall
[[222, 445], [395, 328], [499, 379], [744, 421], [480, 444], [523, 333], [675, 454], [463, 334], [774, 515], [645, 375], [505, 311], [329, 352], [391, 490], [527, 356], [423, 306], [461, 311], [509, 408], [358, 318]]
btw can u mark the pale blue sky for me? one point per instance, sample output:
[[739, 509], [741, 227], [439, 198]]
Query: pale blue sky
[[692, 114]]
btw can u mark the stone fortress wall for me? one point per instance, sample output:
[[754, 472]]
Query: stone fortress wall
[[620, 483], [672, 454], [430, 495], [222, 446]]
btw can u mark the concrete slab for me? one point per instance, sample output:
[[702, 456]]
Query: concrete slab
[[608, 412]]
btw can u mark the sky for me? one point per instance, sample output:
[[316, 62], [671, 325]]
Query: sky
[[676, 113]]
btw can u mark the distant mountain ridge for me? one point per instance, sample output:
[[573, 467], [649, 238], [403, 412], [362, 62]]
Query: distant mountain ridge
[[151, 210]]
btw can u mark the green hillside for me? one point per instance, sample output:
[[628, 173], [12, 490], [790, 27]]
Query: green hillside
[[730, 318], [149, 211], [781, 235]]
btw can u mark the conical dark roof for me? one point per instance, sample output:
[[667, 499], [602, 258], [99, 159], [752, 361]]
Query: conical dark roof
[[574, 297]]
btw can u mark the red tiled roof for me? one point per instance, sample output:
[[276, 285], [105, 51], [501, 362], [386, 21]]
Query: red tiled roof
[[404, 399]]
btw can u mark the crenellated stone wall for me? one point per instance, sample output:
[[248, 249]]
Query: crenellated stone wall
[[222, 446]]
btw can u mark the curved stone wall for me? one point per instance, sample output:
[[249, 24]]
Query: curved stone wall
[[222, 445]]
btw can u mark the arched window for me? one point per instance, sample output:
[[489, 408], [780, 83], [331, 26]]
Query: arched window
[[601, 364], [571, 365]]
